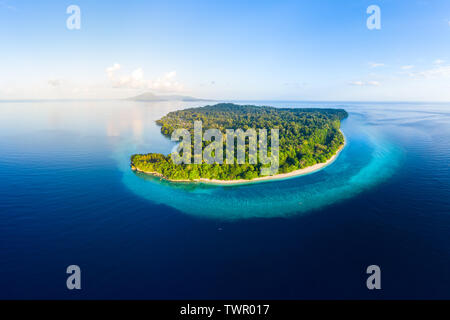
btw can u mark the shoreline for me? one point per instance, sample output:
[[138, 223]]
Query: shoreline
[[280, 176]]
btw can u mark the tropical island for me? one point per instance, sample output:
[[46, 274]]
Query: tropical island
[[309, 138]]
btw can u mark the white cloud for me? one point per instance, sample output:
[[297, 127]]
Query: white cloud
[[364, 83], [439, 61], [166, 83], [408, 67], [55, 82], [110, 71], [437, 72], [376, 65], [136, 80]]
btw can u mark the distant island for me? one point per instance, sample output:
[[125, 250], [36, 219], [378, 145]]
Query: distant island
[[148, 96], [309, 138]]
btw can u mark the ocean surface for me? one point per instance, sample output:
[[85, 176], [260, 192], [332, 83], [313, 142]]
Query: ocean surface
[[68, 196]]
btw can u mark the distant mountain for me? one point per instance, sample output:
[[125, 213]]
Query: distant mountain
[[148, 96]]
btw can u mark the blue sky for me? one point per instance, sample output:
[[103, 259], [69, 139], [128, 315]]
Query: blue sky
[[289, 50]]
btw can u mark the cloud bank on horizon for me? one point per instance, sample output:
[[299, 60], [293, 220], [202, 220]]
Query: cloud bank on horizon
[[227, 50], [135, 80]]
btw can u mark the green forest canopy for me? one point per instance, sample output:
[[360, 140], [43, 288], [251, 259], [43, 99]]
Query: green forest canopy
[[307, 136]]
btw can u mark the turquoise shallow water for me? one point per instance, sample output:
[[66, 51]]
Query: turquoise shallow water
[[367, 159]]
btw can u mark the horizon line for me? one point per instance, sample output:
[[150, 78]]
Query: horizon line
[[222, 100]]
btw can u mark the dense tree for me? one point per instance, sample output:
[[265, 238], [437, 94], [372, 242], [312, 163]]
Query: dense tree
[[306, 136]]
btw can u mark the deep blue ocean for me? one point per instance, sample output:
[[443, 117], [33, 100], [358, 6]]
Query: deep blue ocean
[[68, 196]]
